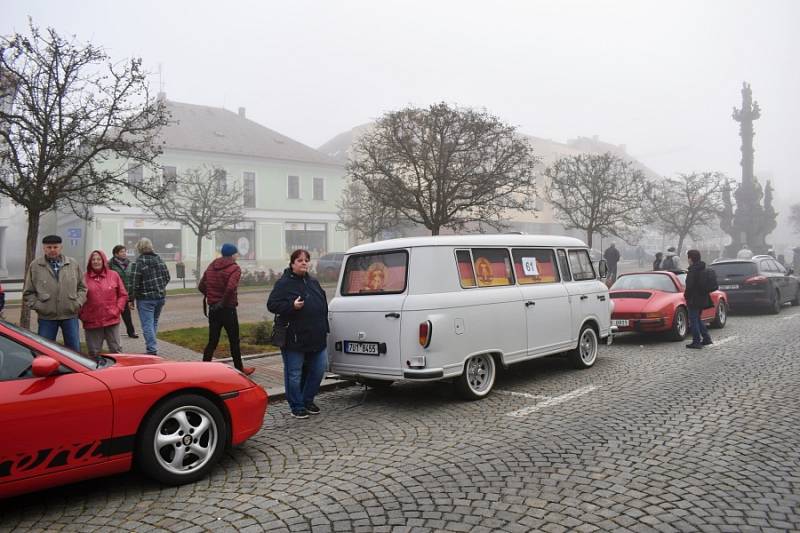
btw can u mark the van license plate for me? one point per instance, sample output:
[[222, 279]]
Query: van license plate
[[362, 348], [620, 323]]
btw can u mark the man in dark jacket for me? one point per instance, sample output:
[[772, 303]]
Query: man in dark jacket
[[120, 264], [697, 298], [611, 255], [219, 284]]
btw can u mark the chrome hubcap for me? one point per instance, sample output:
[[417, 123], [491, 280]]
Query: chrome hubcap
[[588, 346], [721, 313], [185, 440], [479, 373], [681, 319]]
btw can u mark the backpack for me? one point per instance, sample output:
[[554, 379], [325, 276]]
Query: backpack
[[668, 263], [710, 281]]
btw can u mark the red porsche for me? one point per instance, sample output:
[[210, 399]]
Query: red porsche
[[65, 417], [654, 302]]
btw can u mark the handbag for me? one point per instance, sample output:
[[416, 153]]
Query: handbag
[[279, 330]]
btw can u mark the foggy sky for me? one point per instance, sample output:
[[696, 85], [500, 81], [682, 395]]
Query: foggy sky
[[659, 77]]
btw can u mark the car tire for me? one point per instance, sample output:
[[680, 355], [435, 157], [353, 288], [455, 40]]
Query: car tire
[[181, 439], [721, 315], [585, 353], [377, 384], [680, 325], [477, 379], [777, 303]]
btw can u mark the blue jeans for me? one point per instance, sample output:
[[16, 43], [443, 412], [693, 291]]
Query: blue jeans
[[699, 330], [149, 311], [70, 330], [302, 375]]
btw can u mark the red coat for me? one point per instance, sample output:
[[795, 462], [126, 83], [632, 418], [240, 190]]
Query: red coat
[[106, 297], [220, 282]]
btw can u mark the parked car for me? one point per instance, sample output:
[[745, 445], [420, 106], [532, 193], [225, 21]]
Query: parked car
[[759, 282], [458, 307], [653, 302], [329, 265], [66, 417]]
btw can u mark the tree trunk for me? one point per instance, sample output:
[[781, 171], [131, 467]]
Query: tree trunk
[[197, 262], [679, 250], [30, 255], [435, 230], [589, 234]]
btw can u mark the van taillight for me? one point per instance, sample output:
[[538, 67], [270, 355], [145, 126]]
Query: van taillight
[[756, 280], [425, 333]]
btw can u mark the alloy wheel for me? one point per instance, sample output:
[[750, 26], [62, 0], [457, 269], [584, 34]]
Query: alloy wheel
[[185, 440]]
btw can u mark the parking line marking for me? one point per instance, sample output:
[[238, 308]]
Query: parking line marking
[[552, 401], [723, 341], [524, 395]]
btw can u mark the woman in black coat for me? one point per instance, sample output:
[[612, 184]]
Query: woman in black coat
[[298, 299]]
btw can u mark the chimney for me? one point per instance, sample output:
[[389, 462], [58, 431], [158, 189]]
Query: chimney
[[242, 112]]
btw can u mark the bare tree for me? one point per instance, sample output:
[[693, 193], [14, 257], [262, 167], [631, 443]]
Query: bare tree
[[445, 167], [201, 199], [360, 212], [597, 193], [70, 124], [683, 206]]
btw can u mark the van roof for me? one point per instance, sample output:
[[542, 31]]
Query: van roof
[[469, 240]]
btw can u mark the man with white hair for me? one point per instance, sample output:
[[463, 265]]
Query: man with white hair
[[150, 277]]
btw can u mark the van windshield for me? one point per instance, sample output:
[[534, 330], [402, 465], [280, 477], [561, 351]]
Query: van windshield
[[375, 273]]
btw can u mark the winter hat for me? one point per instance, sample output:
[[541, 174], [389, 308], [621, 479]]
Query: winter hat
[[671, 249], [228, 250]]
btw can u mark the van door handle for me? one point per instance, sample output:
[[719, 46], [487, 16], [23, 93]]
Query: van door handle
[[601, 298], [529, 303], [392, 315], [584, 297]]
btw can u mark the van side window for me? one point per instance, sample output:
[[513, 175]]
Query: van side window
[[581, 264], [492, 266], [564, 264], [466, 274], [375, 273], [534, 266]]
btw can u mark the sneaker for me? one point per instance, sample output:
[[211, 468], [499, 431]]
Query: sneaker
[[248, 370], [133, 336], [707, 342], [300, 414], [694, 346], [312, 409]]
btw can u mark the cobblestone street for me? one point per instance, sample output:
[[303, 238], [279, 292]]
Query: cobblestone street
[[654, 437]]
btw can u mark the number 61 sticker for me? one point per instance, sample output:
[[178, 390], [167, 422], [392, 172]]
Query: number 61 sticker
[[529, 266]]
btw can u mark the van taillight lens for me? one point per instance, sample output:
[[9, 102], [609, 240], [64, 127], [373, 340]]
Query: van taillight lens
[[425, 333], [756, 280]]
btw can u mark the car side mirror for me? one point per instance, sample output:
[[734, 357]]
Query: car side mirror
[[602, 268], [44, 366]]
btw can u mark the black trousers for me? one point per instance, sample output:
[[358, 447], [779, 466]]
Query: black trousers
[[227, 318], [126, 317]]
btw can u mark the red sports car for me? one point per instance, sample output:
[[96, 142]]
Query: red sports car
[[65, 417], [653, 301]]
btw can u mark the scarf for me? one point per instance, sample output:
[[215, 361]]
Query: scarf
[[123, 263]]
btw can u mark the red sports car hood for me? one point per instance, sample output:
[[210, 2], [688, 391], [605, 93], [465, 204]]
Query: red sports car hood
[[632, 301]]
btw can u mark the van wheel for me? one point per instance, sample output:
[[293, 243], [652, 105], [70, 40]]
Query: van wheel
[[181, 440], [585, 354], [680, 325], [377, 384], [721, 316], [477, 379]]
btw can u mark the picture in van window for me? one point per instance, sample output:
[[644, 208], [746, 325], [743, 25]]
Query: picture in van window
[[375, 273], [492, 267], [376, 278]]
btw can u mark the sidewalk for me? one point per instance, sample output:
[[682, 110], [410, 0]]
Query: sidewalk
[[269, 367]]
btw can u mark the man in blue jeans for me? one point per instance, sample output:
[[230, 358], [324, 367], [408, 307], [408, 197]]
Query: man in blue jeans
[[150, 277], [697, 298], [54, 288]]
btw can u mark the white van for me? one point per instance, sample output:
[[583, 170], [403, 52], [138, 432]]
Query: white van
[[455, 307]]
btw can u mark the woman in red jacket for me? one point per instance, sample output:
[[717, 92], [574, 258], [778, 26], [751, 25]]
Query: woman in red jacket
[[106, 299]]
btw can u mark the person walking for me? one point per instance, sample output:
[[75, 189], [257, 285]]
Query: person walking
[[149, 277], [2, 302], [54, 288], [611, 255], [121, 265], [657, 262], [298, 299], [219, 285], [671, 260], [106, 299], [697, 298]]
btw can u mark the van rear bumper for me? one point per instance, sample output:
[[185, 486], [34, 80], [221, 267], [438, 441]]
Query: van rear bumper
[[428, 373]]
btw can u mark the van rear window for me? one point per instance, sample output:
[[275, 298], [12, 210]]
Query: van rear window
[[378, 273]]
